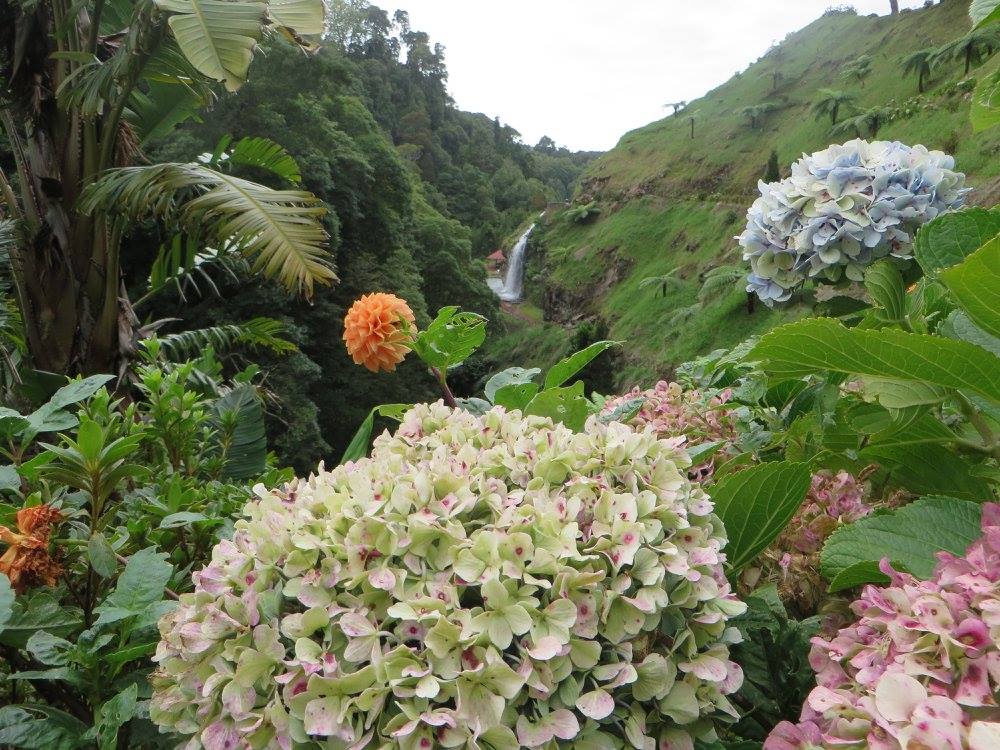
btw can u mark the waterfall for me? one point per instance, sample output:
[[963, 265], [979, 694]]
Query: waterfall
[[512, 287]]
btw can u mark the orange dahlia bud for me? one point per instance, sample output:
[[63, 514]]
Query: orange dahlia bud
[[27, 560], [377, 331]]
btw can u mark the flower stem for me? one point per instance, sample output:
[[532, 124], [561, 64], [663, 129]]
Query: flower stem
[[449, 397]]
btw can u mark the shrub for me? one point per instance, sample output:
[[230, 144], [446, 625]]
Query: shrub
[[673, 412], [841, 209], [792, 561], [918, 668], [493, 581]]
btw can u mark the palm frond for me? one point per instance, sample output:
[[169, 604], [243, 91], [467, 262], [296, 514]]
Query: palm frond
[[91, 85], [263, 153], [255, 333], [183, 261], [280, 230], [160, 109]]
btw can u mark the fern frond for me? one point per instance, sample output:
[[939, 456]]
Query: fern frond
[[720, 279], [258, 332]]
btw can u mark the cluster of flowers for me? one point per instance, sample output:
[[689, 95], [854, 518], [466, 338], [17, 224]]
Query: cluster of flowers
[[793, 558], [841, 209], [672, 412], [494, 581], [921, 666]]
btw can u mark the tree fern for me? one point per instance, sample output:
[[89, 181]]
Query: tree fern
[[720, 280], [665, 283]]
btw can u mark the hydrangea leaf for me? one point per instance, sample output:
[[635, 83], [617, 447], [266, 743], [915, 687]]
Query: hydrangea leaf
[[910, 537], [985, 109], [984, 12], [819, 344], [975, 285], [958, 326], [756, 504], [950, 238], [885, 285]]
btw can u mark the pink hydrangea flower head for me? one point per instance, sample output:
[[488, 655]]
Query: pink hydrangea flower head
[[919, 668]]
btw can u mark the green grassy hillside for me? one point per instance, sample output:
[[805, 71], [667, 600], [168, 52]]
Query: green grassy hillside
[[670, 203]]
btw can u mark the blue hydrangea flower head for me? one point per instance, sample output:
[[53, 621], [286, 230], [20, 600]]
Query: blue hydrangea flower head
[[842, 209]]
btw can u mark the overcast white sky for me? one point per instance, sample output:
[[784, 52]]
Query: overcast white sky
[[586, 71]]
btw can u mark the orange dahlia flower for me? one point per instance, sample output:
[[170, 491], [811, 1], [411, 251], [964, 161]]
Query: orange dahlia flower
[[27, 560], [377, 331]]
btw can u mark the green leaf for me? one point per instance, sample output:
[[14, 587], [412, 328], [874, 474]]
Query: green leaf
[[139, 586], [571, 365], [910, 537], [218, 38], [510, 376], [358, 447], [949, 238], [263, 153], [774, 654], [102, 556], [115, 713], [885, 285], [900, 394], [566, 405], [516, 396], [451, 338], [39, 611], [859, 574], [625, 411], [129, 653], [11, 422], [239, 420], [78, 390], [818, 344], [48, 649], [184, 518], [38, 727], [985, 109], [984, 12], [6, 600], [975, 285], [958, 326], [9, 478], [756, 504], [281, 231]]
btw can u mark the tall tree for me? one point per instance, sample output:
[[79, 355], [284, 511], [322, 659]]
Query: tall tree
[[894, 7], [85, 86]]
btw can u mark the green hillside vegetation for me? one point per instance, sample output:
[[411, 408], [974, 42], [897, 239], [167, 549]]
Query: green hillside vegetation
[[664, 203]]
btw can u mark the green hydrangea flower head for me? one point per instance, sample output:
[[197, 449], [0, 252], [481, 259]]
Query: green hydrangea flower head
[[479, 582]]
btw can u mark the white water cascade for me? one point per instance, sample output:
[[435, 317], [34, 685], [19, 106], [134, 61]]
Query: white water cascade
[[510, 288]]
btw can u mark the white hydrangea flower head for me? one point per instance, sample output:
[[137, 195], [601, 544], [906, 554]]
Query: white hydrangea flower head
[[843, 208], [479, 582]]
